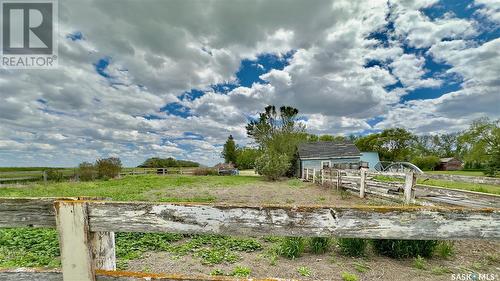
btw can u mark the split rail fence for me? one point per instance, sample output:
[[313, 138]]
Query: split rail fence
[[363, 182], [86, 228]]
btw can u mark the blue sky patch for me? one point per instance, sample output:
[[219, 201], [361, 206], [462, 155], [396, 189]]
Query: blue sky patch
[[250, 70], [101, 65], [177, 109], [75, 36]]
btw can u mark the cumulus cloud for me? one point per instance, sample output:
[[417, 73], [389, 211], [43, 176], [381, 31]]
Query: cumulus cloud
[[106, 98]]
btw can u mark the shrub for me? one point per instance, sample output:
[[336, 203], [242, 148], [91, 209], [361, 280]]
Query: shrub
[[419, 263], [205, 172], [353, 247], [319, 245], [272, 165], [405, 248], [444, 249], [108, 168], [291, 247], [427, 163], [87, 171], [55, 175]]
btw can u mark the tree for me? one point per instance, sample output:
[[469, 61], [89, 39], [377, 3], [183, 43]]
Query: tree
[[272, 164], [108, 168], [391, 144], [229, 151], [481, 144], [246, 157], [156, 162], [278, 133]]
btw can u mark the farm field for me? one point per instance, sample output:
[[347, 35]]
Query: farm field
[[236, 256]]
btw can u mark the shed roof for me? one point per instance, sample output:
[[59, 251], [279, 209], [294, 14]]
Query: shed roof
[[328, 149], [448, 159]]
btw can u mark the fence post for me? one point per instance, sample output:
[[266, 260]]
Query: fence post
[[74, 241], [339, 179], [409, 193], [307, 174], [322, 176], [103, 250], [164, 171], [44, 176], [362, 183], [314, 175]]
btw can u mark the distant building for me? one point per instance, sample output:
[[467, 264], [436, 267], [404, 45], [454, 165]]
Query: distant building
[[450, 164], [327, 154]]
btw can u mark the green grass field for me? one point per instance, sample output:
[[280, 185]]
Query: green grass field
[[484, 188], [461, 173], [130, 188]]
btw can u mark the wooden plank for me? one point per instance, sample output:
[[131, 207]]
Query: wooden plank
[[103, 250], [74, 241], [362, 184], [409, 188], [31, 212], [355, 222], [44, 275]]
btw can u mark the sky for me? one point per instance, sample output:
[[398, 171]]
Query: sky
[[139, 79]]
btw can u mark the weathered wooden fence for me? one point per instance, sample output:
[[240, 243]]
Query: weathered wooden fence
[[362, 182], [461, 178], [86, 227]]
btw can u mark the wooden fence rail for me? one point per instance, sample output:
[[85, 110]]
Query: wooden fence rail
[[86, 227]]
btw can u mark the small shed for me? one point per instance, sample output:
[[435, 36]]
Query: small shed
[[450, 164], [371, 159], [328, 154]]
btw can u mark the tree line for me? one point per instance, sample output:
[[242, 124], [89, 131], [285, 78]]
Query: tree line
[[277, 133]]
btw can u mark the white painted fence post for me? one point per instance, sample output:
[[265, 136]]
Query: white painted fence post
[[307, 174], [314, 175], [322, 176], [74, 241], [410, 181], [82, 251], [362, 183], [339, 179]]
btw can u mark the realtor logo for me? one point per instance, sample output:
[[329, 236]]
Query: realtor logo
[[28, 34]]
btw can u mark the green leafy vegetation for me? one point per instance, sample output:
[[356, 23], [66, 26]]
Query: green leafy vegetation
[[292, 247], [361, 267], [353, 247], [304, 271], [346, 276], [229, 152], [241, 271], [445, 249], [419, 263], [319, 245], [404, 248], [157, 162]]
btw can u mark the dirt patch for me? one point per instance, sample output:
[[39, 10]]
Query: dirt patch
[[291, 192], [470, 256]]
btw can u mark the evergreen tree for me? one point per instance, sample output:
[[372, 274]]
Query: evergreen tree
[[229, 152]]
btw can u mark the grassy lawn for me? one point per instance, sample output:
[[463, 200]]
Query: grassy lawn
[[485, 188], [130, 188], [461, 173]]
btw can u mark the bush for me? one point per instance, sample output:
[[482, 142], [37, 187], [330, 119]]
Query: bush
[[108, 168], [353, 247], [291, 247], [405, 248], [427, 163], [205, 172], [55, 175], [319, 245], [246, 157], [272, 165], [444, 249], [87, 171], [346, 276]]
